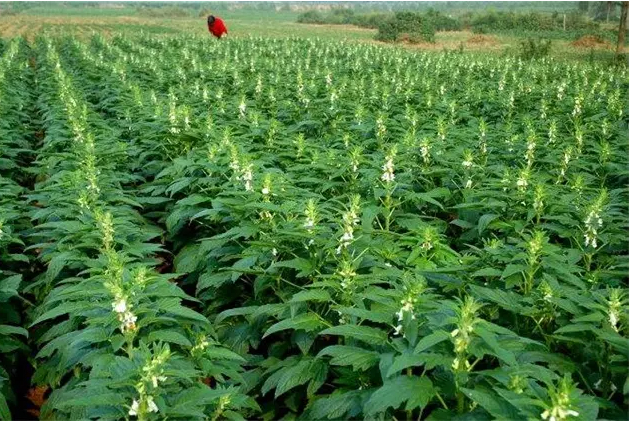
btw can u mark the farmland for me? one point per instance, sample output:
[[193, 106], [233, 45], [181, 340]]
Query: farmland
[[292, 227]]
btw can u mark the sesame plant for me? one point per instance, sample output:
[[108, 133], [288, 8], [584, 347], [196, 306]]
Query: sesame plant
[[294, 229]]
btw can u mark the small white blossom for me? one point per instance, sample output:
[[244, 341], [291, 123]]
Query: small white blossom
[[134, 408], [120, 306], [151, 404]]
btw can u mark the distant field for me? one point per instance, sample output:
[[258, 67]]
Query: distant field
[[242, 23]]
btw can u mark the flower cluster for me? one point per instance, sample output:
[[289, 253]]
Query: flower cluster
[[552, 131], [350, 220], [242, 108], [468, 160], [523, 179], [347, 273], [246, 175], [593, 221], [381, 128], [152, 375], [538, 200], [311, 214], [534, 246], [561, 406], [388, 175], [461, 335], [615, 305], [424, 150], [266, 185], [429, 237], [125, 316], [412, 290]]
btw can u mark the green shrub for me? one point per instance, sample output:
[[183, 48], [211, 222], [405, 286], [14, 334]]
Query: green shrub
[[311, 16], [163, 12], [442, 22], [533, 21], [407, 26], [534, 48]]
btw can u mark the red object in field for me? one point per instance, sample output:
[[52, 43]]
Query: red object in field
[[217, 28]]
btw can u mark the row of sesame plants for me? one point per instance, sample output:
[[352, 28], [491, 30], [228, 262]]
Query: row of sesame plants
[[115, 337], [366, 232], [14, 148]]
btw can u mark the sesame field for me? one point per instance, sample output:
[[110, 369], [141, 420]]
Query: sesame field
[[304, 228]]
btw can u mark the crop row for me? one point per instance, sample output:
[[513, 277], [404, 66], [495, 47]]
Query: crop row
[[114, 337]]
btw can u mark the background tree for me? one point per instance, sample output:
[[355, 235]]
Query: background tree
[[622, 28]]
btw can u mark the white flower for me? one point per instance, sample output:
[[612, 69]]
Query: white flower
[[265, 191], [388, 175], [309, 224], [155, 380], [120, 306], [398, 330], [468, 184], [613, 320], [467, 164], [347, 237], [128, 320], [274, 251], [134, 408], [151, 404]]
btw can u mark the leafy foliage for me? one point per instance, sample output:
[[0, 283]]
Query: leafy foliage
[[299, 229]]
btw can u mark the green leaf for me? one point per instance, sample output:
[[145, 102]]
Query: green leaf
[[577, 327], [490, 339], [5, 414], [492, 403], [485, 220], [366, 334], [109, 399], [55, 266], [336, 405], [343, 355], [168, 336], [216, 353], [188, 259], [306, 321], [487, 272], [13, 330], [407, 360], [60, 310], [431, 340], [505, 299], [293, 377], [313, 295], [304, 266], [416, 391], [512, 269]]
